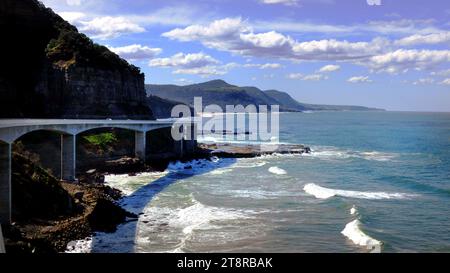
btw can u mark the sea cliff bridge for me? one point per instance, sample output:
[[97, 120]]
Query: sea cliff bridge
[[12, 129]]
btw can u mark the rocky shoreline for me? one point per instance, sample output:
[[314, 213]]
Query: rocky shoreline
[[92, 205]]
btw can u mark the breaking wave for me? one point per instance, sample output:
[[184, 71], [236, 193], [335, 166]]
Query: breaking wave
[[353, 232], [325, 193], [277, 170], [333, 153]]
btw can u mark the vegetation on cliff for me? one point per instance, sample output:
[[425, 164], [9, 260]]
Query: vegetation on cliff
[[51, 70]]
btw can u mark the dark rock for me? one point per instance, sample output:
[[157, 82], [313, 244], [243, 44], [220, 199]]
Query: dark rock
[[79, 196], [35, 193], [106, 216]]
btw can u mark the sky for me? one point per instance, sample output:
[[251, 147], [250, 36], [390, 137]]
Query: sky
[[391, 54]]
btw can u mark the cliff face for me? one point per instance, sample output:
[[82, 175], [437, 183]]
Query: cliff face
[[51, 70]]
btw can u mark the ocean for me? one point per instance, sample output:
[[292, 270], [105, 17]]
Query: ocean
[[374, 182]]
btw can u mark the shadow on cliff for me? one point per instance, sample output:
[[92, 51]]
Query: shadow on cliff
[[123, 240]]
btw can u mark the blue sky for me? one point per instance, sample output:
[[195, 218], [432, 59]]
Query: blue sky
[[391, 54]]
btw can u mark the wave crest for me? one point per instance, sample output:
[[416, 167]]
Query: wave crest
[[353, 232], [277, 170], [325, 193]]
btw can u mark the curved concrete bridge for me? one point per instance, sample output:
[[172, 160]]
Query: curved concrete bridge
[[12, 129]]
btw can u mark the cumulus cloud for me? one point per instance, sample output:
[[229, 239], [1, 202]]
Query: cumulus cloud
[[329, 68], [136, 52], [312, 77], [443, 73], [283, 2], [194, 64], [417, 39], [108, 27], [399, 26], [403, 60], [294, 76], [72, 17], [236, 36], [424, 81], [205, 71], [185, 61], [264, 66], [359, 79], [445, 82]]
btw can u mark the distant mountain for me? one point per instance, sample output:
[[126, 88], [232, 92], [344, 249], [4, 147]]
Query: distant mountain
[[290, 103], [222, 93]]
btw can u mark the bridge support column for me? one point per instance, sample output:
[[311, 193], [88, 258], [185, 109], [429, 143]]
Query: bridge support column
[[178, 144], [68, 157], [190, 142], [140, 145], [5, 183]]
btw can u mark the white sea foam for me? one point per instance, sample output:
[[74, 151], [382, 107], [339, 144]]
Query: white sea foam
[[353, 232], [198, 165], [258, 194], [334, 153], [249, 164], [80, 246], [277, 170], [220, 171], [183, 222], [353, 210], [128, 184], [325, 193]]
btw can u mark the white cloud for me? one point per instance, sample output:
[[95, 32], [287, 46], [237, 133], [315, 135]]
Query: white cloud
[[417, 39], [403, 60], [402, 26], [109, 27], [329, 68], [445, 82], [312, 77], [183, 81], [424, 81], [178, 15], [74, 2], [359, 79], [136, 52], [283, 2], [204, 71], [72, 17], [234, 35], [194, 64], [264, 66], [443, 73], [185, 61]]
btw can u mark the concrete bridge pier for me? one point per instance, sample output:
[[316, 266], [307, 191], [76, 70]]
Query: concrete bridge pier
[[140, 145], [68, 157], [190, 140], [5, 183]]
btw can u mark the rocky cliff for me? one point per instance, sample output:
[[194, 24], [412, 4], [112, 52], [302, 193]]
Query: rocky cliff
[[51, 70]]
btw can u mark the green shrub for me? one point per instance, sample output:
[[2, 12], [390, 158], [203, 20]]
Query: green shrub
[[103, 140]]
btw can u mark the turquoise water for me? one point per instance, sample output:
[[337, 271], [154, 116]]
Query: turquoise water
[[375, 181]]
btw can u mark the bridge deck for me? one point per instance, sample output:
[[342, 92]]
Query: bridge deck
[[4, 123]]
